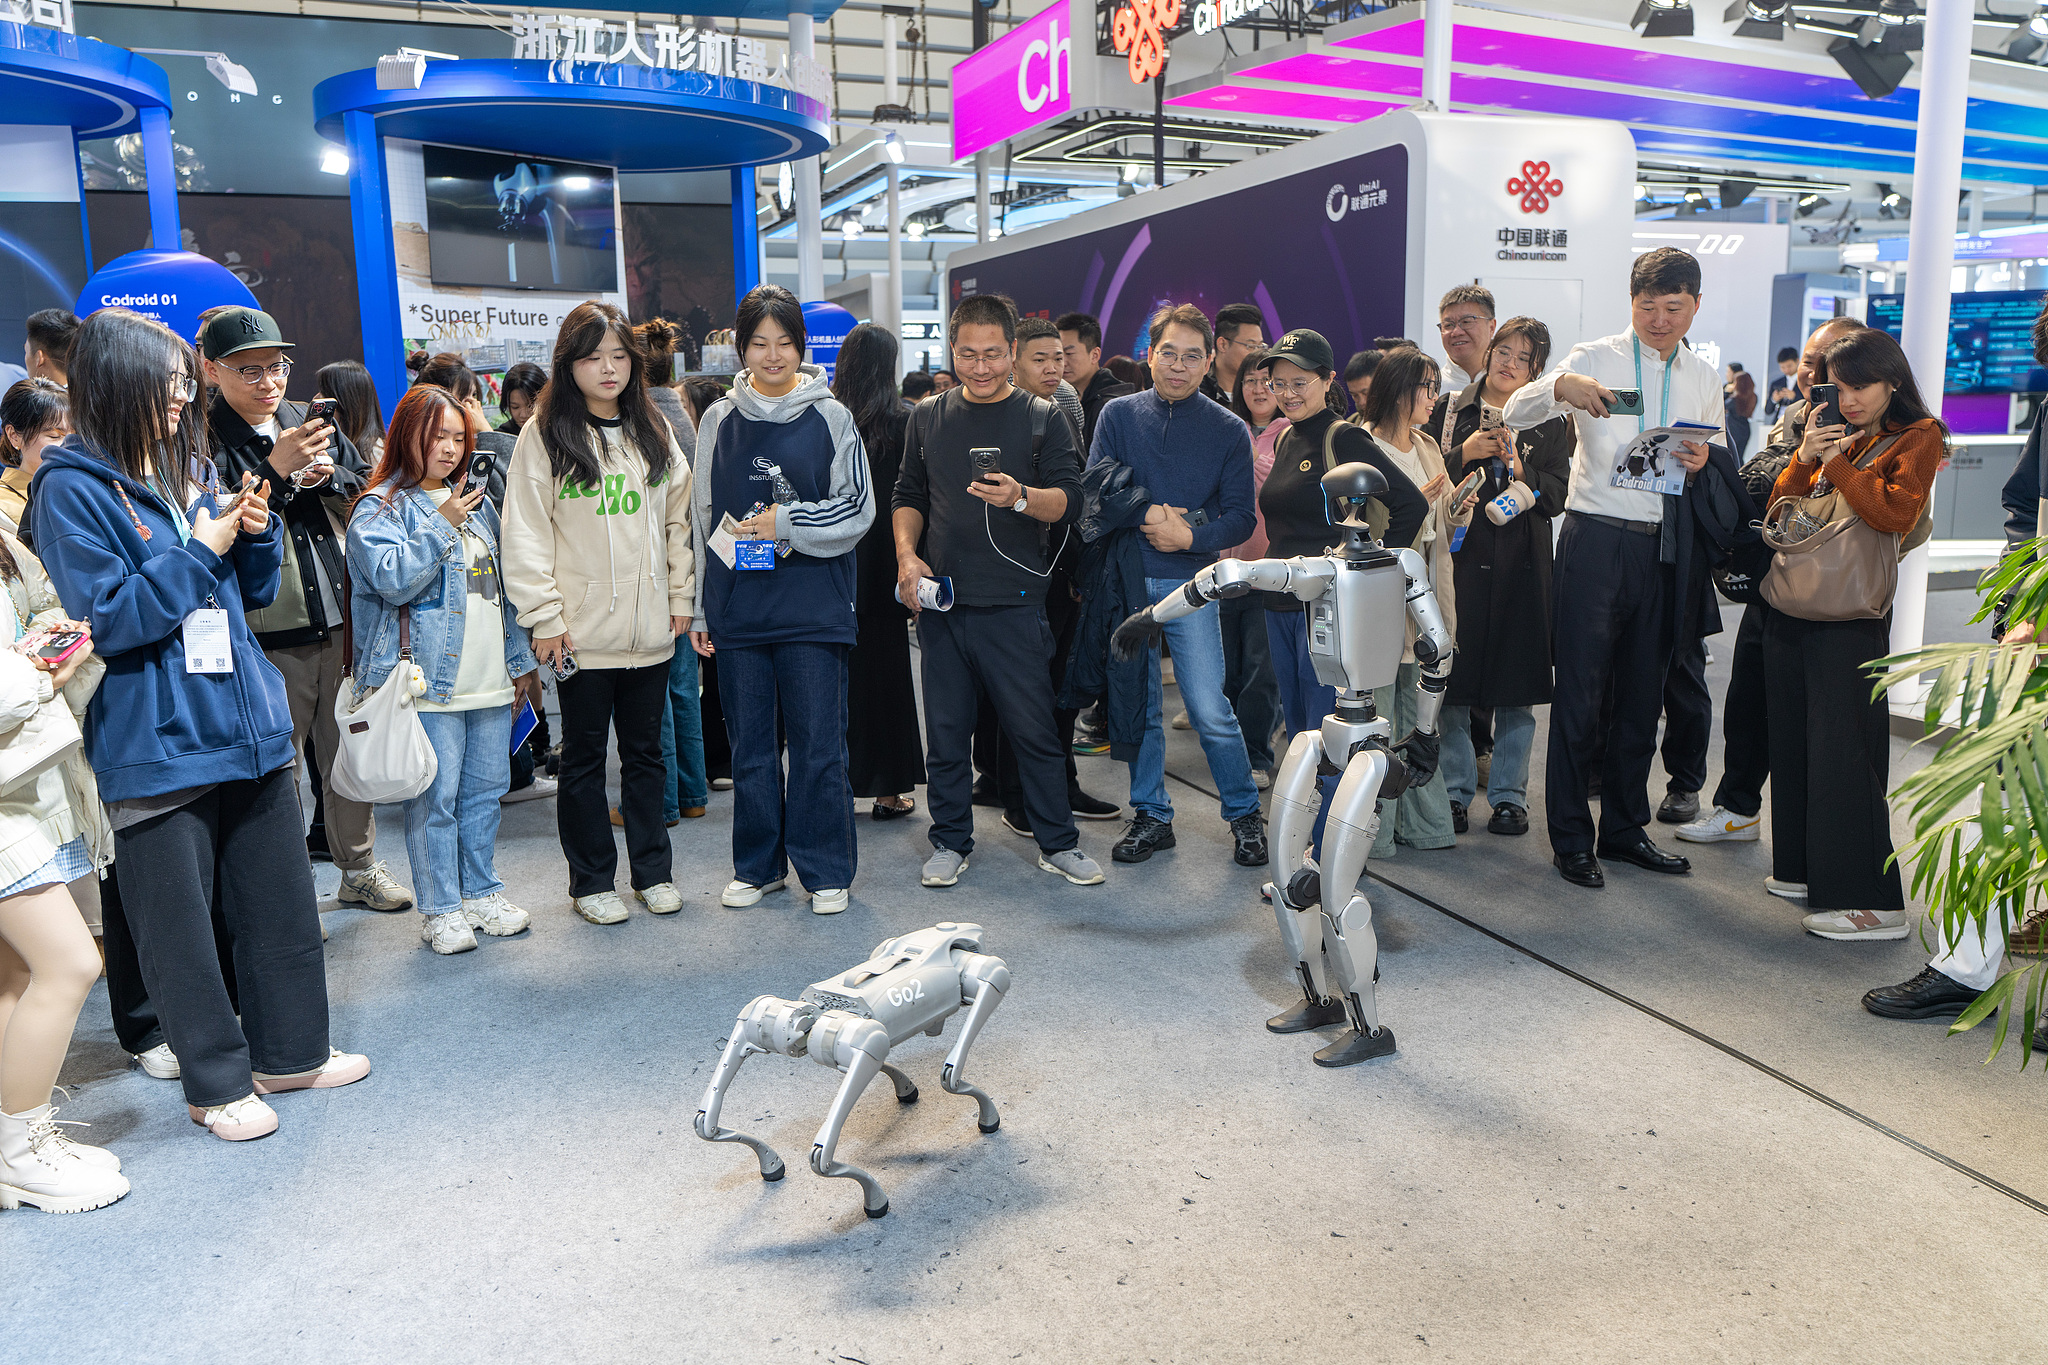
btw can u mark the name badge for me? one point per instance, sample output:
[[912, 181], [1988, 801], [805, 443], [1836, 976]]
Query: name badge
[[208, 647], [754, 554]]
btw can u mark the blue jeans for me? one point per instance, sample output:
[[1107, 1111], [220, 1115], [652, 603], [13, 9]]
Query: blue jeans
[[1514, 734], [451, 828], [812, 824], [1197, 643], [682, 736]]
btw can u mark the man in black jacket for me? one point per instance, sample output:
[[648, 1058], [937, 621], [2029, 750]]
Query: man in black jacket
[[1081, 341], [310, 467]]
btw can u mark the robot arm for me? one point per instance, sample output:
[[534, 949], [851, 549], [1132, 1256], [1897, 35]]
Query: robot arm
[[1307, 579], [1433, 649]]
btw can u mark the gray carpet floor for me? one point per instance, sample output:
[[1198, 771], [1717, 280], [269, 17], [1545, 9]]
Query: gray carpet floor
[[1645, 1124]]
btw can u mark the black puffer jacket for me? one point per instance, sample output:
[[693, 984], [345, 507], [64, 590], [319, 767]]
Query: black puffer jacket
[[1112, 582]]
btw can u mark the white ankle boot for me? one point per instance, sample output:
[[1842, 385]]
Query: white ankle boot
[[46, 1117], [36, 1168]]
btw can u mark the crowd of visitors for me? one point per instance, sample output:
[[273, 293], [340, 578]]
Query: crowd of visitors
[[215, 589]]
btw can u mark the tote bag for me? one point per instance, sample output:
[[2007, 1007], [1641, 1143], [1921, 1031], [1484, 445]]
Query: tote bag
[[384, 755], [1846, 570]]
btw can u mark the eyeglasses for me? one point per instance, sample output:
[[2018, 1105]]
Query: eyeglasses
[[184, 388], [1524, 359], [1289, 386], [1181, 360], [1253, 382], [1432, 389], [1461, 324], [253, 374]]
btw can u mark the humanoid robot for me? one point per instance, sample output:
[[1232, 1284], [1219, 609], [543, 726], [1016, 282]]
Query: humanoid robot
[[848, 1022], [1357, 596]]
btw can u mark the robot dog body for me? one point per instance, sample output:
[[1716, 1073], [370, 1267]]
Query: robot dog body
[[1357, 599], [849, 1022]]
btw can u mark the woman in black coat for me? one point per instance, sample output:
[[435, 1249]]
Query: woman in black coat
[[884, 749], [1502, 573]]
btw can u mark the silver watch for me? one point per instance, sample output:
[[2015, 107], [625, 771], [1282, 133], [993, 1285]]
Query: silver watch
[[1022, 499]]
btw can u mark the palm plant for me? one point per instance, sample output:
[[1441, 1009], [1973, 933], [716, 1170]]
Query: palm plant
[[1978, 872]]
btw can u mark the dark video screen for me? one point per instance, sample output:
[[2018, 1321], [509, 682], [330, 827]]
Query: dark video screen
[[511, 222], [1990, 339]]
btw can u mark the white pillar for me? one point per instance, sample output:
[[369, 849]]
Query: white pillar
[[810, 220], [1436, 53], [1931, 250], [891, 313], [1976, 213], [981, 204]]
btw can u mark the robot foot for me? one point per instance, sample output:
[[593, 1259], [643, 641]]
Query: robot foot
[[882, 1212], [772, 1176], [1355, 1047], [988, 1127], [1305, 1016]]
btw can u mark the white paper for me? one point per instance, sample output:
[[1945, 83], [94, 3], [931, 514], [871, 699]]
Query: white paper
[[208, 646], [1649, 463], [724, 541]]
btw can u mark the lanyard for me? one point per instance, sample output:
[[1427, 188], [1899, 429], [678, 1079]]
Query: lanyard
[[1663, 403]]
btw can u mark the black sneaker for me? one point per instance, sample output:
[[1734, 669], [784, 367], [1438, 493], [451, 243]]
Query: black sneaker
[[1508, 818], [1250, 833], [1086, 807], [1930, 995], [1679, 808], [1143, 837], [1461, 822], [1017, 822]]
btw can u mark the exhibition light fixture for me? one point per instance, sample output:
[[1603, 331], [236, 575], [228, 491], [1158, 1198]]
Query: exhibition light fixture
[[913, 228], [1807, 204], [406, 69], [1890, 203], [1664, 18], [2030, 38], [1734, 192], [1642, 190], [1759, 18], [785, 186], [851, 228], [892, 147], [233, 75], [1877, 70], [1695, 198], [333, 160]]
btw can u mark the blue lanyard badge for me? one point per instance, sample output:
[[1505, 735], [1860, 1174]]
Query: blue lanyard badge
[[1664, 402]]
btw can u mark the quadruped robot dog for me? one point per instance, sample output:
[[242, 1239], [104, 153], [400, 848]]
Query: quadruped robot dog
[[909, 985], [1356, 596]]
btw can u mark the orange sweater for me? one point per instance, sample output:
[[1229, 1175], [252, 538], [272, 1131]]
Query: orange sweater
[[1891, 493]]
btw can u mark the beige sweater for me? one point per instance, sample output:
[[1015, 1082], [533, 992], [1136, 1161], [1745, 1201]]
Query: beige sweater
[[608, 565], [1433, 541]]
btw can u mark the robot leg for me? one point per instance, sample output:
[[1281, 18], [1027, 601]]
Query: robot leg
[[906, 1089], [1348, 938], [1297, 896], [755, 1033], [984, 981], [858, 1047]]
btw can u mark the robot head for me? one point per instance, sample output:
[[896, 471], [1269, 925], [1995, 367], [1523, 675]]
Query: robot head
[[1346, 489], [517, 191]]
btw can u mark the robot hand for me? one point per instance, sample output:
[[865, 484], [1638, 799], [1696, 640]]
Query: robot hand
[[1139, 632], [1419, 754]]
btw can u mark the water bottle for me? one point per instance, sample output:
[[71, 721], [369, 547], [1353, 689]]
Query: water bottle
[[785, 495]]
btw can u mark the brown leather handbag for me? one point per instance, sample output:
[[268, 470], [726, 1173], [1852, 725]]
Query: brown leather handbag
[[1828, 564]]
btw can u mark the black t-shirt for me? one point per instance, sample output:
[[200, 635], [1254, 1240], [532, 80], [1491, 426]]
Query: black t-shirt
[[1291, 499], [996, 557]]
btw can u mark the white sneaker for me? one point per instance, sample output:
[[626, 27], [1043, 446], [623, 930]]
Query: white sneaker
[[340, 1068], [1791, 891], [448, 934], [1071, 863], [1879, 925], [721, 784], [1181, 722], [239, 1121], [495, 915], [36, 1168], [540, 789], [660, 899], [46, 1118], [161, 1062], [1721, 825], [738, 895], [829, 902], [604, 908], [374, 889], [1262, 779], [943, 868]]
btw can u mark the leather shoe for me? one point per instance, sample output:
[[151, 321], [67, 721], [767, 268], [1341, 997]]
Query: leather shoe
[[1580, 869], [1679, 808], [1461, 822], [1930, 995], [1646, 855], [1508, 818]]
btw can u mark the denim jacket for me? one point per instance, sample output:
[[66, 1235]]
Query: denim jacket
[[403, 555]]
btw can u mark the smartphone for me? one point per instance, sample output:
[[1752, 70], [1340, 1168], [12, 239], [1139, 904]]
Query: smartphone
[[987, 460], [566, 667], [233, 506], [322, 409], [480, 466], [58, 646], [1826, 408], [1467, 486], [1627, 403]]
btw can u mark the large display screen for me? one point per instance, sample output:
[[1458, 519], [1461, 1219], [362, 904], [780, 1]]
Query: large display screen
[[42, 264], [1990, 339], [511, 222], [1351, 286]]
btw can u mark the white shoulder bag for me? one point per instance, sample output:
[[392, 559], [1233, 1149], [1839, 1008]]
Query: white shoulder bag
[[384, 755]]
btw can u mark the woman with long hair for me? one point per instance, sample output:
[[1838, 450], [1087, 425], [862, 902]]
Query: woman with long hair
[[1830, 737], [426, 579], [359, 414], [884, 747], [597, 559], [781, 471], [35, 414], [190, 735]]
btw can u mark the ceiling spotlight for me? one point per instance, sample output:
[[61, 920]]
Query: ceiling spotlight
[[1759, 18], [233, 75], [1733, 192], [333, 160], [892, 147], [1808, 205], [406, 69], [2029, 38], [1642, 190], [1131, 172], [1890, 203], [1877, 71], [1695, 197], [1664, 18], [850, 228], [913, 228]]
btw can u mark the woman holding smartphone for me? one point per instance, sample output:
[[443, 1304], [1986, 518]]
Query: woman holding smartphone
[[427, 585], [597, 560], [190, 734]]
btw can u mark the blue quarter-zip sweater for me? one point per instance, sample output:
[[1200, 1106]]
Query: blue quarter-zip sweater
[[1193, 454], [154, 727]]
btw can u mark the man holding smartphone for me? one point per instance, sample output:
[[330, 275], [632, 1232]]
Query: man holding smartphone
[[1625, 574], [990, 474]]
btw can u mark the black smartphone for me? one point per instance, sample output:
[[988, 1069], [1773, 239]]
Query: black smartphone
[[322, 409], [1826, 409], [1627, 403], [987, 461], [480, 466]]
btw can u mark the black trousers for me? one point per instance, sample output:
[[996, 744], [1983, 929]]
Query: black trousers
[[717, 739], [1611, 602], [1003, 653], [1831, 759], [1745, 728], [627, 702], [1688, 717], [993, 752], [135, 1021], [238, 853]]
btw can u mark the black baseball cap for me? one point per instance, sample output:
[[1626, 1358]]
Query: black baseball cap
[[240, 329], [1303, 347]]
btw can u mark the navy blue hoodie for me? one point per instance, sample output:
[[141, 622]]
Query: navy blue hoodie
[[153, 727]]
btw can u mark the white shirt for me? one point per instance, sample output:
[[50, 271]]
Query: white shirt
[[1611, 361], [1455, 379]]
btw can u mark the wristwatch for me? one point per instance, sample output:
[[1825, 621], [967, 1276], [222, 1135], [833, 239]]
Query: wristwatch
[[1022, 498]]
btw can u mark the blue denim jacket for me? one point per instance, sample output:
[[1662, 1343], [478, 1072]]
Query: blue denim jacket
[[403, 554]]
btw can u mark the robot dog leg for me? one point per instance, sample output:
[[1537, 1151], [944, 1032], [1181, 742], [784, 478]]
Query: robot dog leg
[[1347, 934], [1297, 896], [984, 981]]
